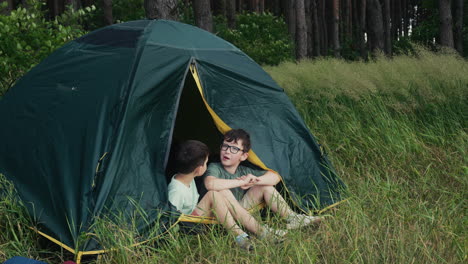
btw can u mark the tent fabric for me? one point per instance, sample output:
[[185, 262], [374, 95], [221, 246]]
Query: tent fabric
[[111, 98]]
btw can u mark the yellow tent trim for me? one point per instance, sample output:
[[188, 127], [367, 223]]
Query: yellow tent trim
[[53, 240], [80, 254], [223, 127]]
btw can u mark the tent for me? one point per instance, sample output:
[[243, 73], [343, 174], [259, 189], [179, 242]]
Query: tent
[[89, 130]]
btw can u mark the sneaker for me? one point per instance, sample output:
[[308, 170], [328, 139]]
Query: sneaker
[[276, 236], [271, 231], [301, 220], [245, 243]]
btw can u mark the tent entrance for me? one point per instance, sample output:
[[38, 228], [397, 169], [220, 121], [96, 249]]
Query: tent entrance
[[193, 121]]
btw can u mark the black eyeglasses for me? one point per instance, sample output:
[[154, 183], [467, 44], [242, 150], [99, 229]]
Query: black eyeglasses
[[233, 149]]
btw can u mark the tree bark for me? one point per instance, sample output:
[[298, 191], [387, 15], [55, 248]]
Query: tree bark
[[74, 3], [10, 7], [203, 16], [445, 29], [253, 6], [387, 28], [276, 7], [261, 6], [219, 7], [324, 28], [345, 15], [231, 13], [107, 9], [301, 31], [55, 7], [161, 9], [290, 14], [458, 28], [309, 26], [362, 6], [397, 25], [375, 28], [336, 27], [405, 18], [315, 28]]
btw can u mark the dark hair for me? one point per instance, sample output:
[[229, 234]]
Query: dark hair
[[236, 134], [189, 155]]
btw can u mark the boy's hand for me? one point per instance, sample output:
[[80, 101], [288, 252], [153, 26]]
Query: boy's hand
[[250, 180]]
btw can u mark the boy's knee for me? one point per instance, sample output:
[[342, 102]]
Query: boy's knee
[[214, 195], [263, 188], [226, 193]]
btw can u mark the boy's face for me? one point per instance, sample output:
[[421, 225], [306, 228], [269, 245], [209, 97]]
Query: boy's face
[[202, 169], [230, 159]]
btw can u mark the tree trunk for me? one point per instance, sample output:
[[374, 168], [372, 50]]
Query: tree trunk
[[324, 28], [56, 7], [290, 14], [10, 7], [240, 5], [387, 28], [261, 6], [375, 28], [309, 26], [344, 15], [276, 9], [74, 3], [336, 27], [398, 19], [362, 7], [253, 6], [316, 28], [458, 28], [405, 18], [161, 9], [445, 30], [107, 9], [301, 31], [231, 13], [219, 7], [202, 13]]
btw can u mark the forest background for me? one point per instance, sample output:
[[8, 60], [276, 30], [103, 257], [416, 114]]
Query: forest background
[[268, 31], [382, 84]]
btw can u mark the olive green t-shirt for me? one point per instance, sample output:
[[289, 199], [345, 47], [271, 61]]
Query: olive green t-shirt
[[217, 170]]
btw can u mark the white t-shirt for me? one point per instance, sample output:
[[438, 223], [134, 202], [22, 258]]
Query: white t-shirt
[[184, 198]]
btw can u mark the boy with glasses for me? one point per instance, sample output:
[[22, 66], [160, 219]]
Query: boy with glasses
[[191, 159], [229, 178]]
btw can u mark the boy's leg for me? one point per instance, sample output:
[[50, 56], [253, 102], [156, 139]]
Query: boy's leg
[[273, 198], [248, 221], [214, 201], [257, 194], [240, 213]]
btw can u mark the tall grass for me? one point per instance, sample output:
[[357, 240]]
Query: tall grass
[[396, 131]]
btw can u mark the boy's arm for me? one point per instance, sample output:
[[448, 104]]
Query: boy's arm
[[269, 178], [215, 184]]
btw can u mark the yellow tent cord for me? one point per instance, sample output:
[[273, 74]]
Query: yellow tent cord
[[80, 254]]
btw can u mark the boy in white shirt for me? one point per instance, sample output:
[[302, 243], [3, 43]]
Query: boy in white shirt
[[191, 161]]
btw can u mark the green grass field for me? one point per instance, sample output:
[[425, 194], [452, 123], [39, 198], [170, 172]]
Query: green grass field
[[396, 131]]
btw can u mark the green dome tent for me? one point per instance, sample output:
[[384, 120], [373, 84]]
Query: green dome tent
[[89, 130]]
